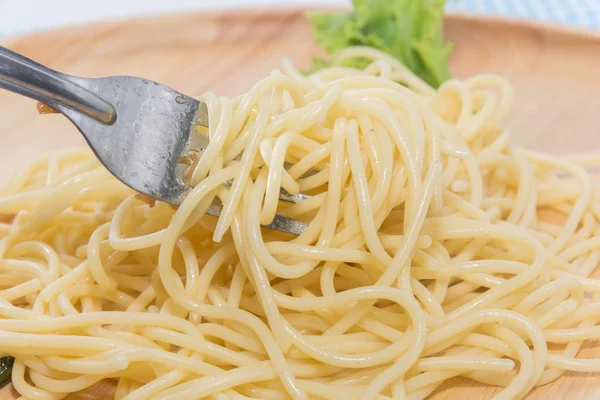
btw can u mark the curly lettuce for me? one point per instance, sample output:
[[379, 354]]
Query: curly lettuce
[[409, 30], [6, 364]]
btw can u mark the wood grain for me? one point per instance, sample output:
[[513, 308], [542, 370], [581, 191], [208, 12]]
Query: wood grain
[[555, 74]]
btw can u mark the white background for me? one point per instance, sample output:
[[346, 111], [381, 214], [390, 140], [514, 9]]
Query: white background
[[18, 16]]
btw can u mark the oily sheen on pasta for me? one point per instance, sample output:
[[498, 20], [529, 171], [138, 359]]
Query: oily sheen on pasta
[[435, 249]]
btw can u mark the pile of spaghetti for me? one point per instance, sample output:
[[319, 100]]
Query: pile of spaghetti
[[435, 249]]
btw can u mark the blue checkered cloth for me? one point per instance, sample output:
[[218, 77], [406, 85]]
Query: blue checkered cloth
[[575, 13]]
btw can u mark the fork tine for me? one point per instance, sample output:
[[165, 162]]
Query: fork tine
[[283, 194], [287, 225], [292, 198], [201, 117], [198, 142], [279, 223]]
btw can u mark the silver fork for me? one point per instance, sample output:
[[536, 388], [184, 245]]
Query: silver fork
[[140, 130]]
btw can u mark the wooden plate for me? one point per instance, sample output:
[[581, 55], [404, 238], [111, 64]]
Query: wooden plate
[[555, 74]]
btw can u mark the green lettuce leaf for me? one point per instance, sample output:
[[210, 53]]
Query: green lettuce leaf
[[409, 30], [6, 364]]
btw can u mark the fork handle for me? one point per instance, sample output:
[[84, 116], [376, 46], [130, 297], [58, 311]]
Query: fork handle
[[26, 77]]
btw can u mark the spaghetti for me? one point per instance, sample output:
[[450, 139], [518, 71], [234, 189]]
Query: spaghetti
[[435, 249]]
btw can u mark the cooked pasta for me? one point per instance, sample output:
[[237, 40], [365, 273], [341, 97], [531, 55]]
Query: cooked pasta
[[435, 248]]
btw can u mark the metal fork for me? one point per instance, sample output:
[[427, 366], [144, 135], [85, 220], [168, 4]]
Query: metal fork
[[140, 130]]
